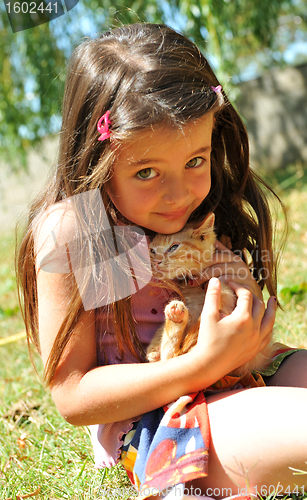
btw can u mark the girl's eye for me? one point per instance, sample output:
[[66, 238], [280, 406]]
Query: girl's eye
[[146, 173], [173, 248], [195, 162]]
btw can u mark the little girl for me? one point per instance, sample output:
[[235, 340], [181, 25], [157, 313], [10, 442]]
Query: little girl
[[149, 135]]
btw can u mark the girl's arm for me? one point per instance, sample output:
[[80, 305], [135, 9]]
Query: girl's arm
[[86, 394]]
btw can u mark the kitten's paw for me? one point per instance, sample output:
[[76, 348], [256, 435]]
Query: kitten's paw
[[176, 311], [153, 356]]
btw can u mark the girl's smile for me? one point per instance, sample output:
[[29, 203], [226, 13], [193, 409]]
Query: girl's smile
[[163, 176], [175, 214]]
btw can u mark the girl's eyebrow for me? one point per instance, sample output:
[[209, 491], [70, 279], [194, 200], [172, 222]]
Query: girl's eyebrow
[[205, 149], [146, 161]]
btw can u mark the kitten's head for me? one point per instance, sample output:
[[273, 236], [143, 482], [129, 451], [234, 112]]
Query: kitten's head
[[183, 254]]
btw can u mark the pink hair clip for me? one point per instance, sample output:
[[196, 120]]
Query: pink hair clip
[[217, 89], [103, 127], [219, 94]]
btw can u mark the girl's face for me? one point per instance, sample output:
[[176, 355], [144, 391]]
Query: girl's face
[[163, 176]]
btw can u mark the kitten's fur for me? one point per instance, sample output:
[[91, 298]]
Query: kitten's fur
[[185, 255]]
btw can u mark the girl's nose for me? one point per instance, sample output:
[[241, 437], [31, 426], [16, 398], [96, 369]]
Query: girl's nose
[[175, 191]]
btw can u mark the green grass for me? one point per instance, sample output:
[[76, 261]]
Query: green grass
[[291, 323], [39, 452]]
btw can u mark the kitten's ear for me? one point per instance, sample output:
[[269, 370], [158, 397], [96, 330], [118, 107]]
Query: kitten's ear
[[209, 221], [204, 226]]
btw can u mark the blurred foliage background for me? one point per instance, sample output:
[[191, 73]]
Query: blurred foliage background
[[241, 38]]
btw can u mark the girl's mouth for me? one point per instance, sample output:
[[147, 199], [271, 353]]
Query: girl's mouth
[[175, 214]]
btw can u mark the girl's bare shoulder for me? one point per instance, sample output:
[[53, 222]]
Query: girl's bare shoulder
[[53, 228]]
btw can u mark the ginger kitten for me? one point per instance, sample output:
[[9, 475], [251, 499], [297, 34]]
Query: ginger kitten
[[185, 255]]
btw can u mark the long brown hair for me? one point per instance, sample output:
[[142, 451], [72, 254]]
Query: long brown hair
[[146, 75]]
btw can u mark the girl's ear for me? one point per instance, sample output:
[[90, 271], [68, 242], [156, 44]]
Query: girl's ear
[[205, 226]]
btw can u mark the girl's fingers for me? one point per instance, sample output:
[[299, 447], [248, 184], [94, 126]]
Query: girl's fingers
[[253, 304], [221, 269], [225, 256], [211, 272], [220, 246], [223, 262], [222, 251], [232, 271], [249, 282], [263, 317], [265, 341], [268, 319], [225, 241], [212, 299], [245, 297]]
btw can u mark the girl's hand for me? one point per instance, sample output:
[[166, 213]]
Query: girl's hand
[[235, 339], [229, 267]]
